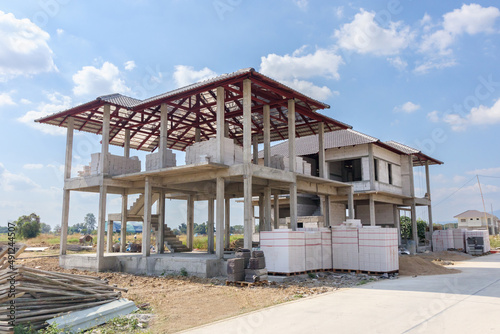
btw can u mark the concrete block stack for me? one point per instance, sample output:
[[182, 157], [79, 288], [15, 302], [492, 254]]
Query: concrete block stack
[[85, 171], [459, 238], [314, 260], [117, 165], [345, 248], [326, 248], [206, 151], [236, 270], [442, 240], [301, 166], [307, 168], [484, 234], [378, 249], [256, 271], [153, 160], [244, 254], [284, 250]]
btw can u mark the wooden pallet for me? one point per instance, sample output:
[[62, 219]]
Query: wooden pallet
[[345, 271], [378, 273], [247, 284], [287, 274]]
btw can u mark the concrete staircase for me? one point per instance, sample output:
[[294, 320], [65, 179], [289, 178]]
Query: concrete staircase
[[172, 242]]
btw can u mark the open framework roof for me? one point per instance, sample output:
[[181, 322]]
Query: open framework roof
[[194, 106]]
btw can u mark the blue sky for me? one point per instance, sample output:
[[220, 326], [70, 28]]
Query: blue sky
[[424, 73]]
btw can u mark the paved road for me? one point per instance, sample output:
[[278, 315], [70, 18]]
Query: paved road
[[468, 302]]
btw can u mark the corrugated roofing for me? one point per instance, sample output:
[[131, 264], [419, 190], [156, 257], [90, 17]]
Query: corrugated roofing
[[121, 100], [473, 214], [402, 147]]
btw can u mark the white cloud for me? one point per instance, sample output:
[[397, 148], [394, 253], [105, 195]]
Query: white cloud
[[23, 48], [129, 65], [6, 100], [397, 62], [339, 12], [407, 107], [10, 181], [59, 32], [433, 116], [302, 4], [310, 89], [364, 35], [25, 101], [481, 115], [494, 171], [469, 19], [99, 81], [33, 166], [56, 102], [434, 63], [186, 75], [322, 62]]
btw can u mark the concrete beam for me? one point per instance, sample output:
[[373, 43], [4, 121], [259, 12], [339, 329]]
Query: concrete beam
[[219, 238], [291, 135], [267, 135], [220, 125], [210, 225], [146, 227], [101, 228]]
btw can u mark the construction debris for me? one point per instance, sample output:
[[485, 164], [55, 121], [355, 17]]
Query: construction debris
[[34, 296]]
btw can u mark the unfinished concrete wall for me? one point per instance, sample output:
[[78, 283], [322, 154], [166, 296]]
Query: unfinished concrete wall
[[337, 213], [344, 153], [384, 214], [405, 175], [365, 169]]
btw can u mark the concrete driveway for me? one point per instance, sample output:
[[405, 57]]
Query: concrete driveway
[[468, 302]]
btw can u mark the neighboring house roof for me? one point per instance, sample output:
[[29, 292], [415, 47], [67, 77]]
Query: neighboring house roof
[[474, 214], [343, 138]]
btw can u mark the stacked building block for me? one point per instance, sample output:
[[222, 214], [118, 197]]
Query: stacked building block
[[281, 162], [206, 151], [442, 240], [459, 238], [345, 248], [314, 260], [326, 248], [236, 269], [117, 165], [153, 160], [284, 250], [378, 249], [484, 234], [256, 271]]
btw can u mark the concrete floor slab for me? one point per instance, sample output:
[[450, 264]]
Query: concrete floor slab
[[467, 302]]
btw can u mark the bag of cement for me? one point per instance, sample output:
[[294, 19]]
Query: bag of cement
[[235, 266], [244, 255], [236, 277], [257, 263], [258, 253]]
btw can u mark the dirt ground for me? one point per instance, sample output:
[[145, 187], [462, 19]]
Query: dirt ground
[[183, 302]]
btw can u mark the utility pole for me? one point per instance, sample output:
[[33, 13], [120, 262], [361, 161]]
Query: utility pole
[[484, 207]]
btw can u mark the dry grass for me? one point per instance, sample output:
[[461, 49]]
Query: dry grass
[[494, 241]]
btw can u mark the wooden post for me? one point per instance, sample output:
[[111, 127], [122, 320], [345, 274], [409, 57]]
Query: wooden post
[[105, 139], [321, 152], [219, 227], [267, 135], [161, 223], [162, 149], [227, 228], [103, 189], [146, 226], [247, 159], [210, 226], [373, 221], [190, 222], [267, 209], [276, 210], [220, 125], [123, 232], [126, 145], [66, 192]]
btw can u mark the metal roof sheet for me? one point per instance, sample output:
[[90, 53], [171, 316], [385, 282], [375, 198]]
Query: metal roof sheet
[[121, 100], [473, 214]]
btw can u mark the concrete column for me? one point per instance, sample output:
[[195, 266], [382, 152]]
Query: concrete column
[[109, 240], [126, 145], [291, 136], [123, 232], [247, 159], [350, 203], [146, 226], [101, 220], [190, 222], [397, 222], [105, 138], [414, 223], [255, 150], [326, 212], [293, 205], [210, 225], [373, 221], [220, 125], [162, 149], [160, 248], [321, 152], [226, 130], [66, 192], [267, 135], [276, 211], [429, 207], [267, 209], [261, 213], [197, 135], [371, 164], [219, 224], [227, 228]]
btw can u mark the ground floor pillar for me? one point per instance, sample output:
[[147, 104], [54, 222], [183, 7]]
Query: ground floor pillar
[[123, 231], [146, 226], [101, 220], [64, 223], [190, 222], [219, 224], [247, 211], [227, 219], [210, 226]]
